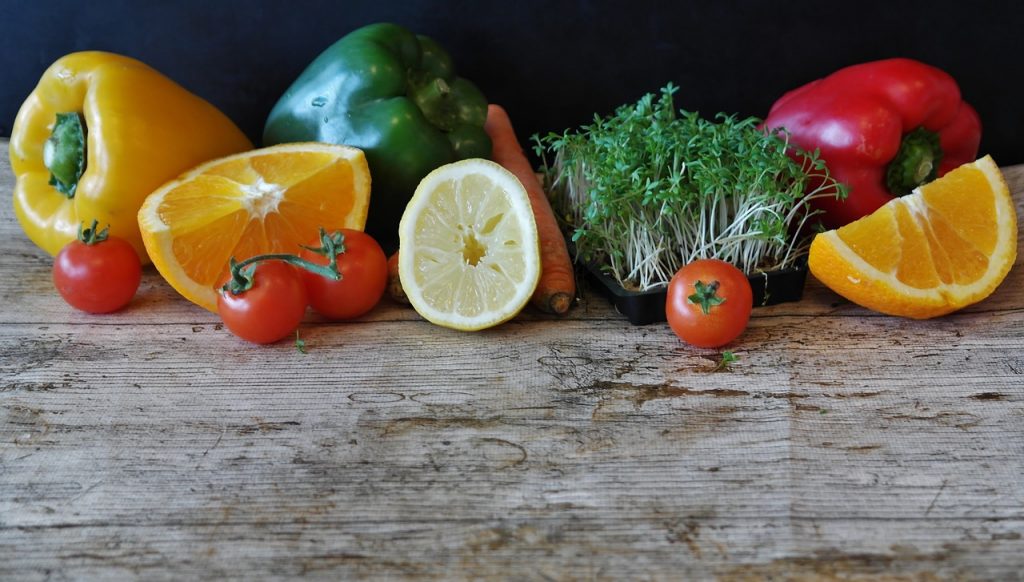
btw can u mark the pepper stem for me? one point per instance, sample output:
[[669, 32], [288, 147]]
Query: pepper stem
[[332, 245], [706, 296], [916, 162], [64, 152], [434, 99]]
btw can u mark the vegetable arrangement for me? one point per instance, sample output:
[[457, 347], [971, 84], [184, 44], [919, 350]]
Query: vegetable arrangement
[[657, 198]]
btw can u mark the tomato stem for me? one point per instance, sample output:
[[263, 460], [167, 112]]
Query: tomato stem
[[706, 296], [92, 235], [332, 245], [335, 244]]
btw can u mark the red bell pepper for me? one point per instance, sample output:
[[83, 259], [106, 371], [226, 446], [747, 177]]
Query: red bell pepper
[[883, 128]]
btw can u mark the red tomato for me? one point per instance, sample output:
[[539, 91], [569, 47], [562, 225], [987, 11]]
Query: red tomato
[[364, 276], [99, 277], [270, 310], [709, 303]]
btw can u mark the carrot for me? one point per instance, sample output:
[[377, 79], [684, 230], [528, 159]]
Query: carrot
[[557, 286], [395, 289]]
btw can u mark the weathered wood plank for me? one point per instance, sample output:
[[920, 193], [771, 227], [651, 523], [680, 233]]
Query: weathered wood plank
[[559, 547], [842, 445]]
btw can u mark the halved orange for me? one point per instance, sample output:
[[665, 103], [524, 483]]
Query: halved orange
[[268, 200], [947, 245]]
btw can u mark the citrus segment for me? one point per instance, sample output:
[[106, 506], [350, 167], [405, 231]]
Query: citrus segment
[[470, 256], [945, 246], [263, 201], [915, 265]]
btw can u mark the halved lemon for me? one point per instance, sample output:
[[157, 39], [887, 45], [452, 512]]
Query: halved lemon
[[268, 200], [945, 246], [470, 256]]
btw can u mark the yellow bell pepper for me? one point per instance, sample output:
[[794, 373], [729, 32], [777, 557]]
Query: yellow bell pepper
[[96, 136]]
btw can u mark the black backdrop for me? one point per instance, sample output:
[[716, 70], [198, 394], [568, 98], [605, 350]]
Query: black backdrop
[[552, 64]]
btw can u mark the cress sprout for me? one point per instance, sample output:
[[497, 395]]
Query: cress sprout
[[649, 189]]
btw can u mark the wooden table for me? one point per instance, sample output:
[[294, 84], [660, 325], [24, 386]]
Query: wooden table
[[842, 445]]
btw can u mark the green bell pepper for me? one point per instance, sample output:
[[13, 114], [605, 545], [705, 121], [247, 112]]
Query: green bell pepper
[[394, 95]]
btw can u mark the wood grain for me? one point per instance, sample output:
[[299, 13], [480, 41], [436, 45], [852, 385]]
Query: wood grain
[[843, 445]]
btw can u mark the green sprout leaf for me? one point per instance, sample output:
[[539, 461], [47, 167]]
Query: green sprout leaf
[[726, 359], [650, 188]]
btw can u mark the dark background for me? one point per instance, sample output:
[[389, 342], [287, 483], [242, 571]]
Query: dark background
[[552, 64]]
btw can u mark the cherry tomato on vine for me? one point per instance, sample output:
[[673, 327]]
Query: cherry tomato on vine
[[271, 309], [709, 303], [97, 273], [364, 276]]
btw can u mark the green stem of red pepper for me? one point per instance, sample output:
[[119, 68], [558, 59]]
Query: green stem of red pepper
[[916, 162]]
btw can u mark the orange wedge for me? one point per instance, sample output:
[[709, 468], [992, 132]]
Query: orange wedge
[[947, 245], [263, 201]]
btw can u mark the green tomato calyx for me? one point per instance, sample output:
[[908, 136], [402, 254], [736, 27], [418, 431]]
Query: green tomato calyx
[[706, 295]]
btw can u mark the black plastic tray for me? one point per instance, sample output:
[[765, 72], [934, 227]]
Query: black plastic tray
[[642, 308]]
